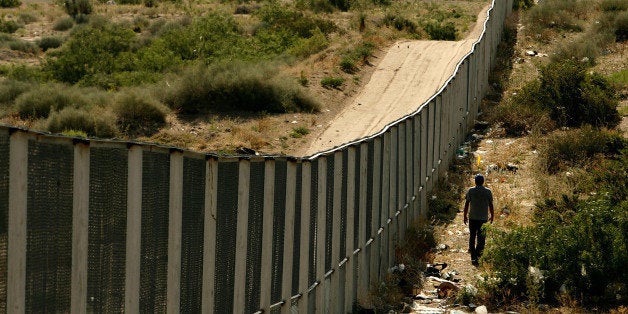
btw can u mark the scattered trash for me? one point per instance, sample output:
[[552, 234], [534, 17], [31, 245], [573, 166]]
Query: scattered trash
[[435, 269], [531, 53], [447, 289]]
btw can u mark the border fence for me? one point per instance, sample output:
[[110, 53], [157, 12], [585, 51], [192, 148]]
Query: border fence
[[107, 226]]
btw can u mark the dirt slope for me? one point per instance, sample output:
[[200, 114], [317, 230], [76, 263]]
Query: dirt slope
[[409, 74]]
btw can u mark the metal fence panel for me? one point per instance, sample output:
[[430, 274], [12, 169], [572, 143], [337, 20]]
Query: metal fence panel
[[107, 229], [254, 242], [193, 224], [278, 229], [226, 222], [154, 245], [49, 226]]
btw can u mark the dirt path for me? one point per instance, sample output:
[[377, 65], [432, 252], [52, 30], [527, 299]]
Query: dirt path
[[409, 74]]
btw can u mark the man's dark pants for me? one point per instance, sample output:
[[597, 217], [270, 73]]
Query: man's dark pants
[[475, 228]]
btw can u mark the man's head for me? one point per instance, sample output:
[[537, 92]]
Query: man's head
[[479, 179]]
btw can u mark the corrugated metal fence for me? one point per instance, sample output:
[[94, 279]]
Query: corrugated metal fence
[[102, 226]]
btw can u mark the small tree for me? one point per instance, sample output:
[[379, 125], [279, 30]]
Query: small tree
[[77, 8], [10, 3]]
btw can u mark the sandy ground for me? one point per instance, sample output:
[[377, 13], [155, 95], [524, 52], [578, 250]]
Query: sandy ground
[[408, 75]]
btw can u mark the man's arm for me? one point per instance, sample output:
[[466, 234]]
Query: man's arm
[[491, 210], [466, 211]]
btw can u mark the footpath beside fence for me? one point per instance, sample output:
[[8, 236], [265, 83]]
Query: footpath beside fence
[[108, 226]]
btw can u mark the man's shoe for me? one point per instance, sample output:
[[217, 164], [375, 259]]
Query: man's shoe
[[475, 262]]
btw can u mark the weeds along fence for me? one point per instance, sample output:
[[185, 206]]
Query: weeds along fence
[[105, 226]]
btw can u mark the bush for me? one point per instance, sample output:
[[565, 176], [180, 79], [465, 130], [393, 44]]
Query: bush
[[347, 65], [573, 96], [9, 26], [27, 18], [41, 101], [236, 86], [621, 27], [332, 82], [522, 4], [24, 46], [277, 18], [400, 23], [63, 24], [582, 253], [578, 148], [560, 14], [10, 3], [50, 42], [613, 5], [308, 46], [138, 111], [77, 8], [299, 132], [92, 50], [440, 30], [11, 89], [73, 119]]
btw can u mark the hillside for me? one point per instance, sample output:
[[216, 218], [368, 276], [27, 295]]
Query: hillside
[[148, 71]]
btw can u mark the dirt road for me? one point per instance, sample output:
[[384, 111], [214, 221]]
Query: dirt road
[[409, 74]]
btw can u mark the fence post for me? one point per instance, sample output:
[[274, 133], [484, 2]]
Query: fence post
[[385, 205], [174, 233], [350, 237], [393, 235], [402, 218], [16, 255], [410, 172], [80, 228], [267, 236], [288, 243], [417, 160], [209, 232], [334, 304], [239, 283], [363, 265], [375, 210], [321, 222], [304, 254], [134, 230]]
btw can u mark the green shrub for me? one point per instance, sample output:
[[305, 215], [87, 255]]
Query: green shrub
[[236, 86], [559, 14], [347, 65], [278, 18], [11, 89], [582, 252], [577, 148], [332, 82], [63, 24], [79, 120], [138, 111], [10, 3], [27, 18], [400, 23], [305, 47], [92, 50], [522, 4], [613, 5], [299, 132], [24, 46], [77, 8], [573, 96], [26, 73], [440, 30], [42, 100], [50, 42], [9, 26], [621, 27]]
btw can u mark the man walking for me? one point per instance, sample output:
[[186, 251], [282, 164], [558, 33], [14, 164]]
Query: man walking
[[480, 200]]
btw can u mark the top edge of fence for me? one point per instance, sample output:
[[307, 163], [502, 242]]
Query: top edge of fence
[[146, 146], [150, 146]]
